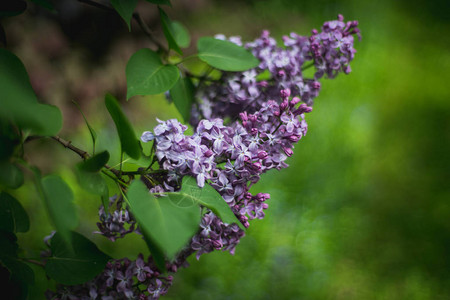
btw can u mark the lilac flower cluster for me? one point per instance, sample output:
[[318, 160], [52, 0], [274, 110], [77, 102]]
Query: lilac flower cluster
[[121, 279], [231, 159], [118, 223], [329, 52]]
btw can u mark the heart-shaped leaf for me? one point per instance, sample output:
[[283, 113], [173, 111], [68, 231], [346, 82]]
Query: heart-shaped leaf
[[181, 34], [225, 55], [75, 265], [125, 9], [182, 95], [170, 226], [128, 139], [147, 75]]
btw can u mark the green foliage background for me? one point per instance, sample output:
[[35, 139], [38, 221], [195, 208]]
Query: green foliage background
[[363, 212]]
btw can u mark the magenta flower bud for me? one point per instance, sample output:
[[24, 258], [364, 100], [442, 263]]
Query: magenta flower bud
[[294, 138], [247, 195], [285, 93], [252, 118], [340, 17], [243, 116], [288, 151], [263, 84], [265, 205], [314, 31], [281, 73], [284, 104], [295, 100], [262, 155], [316, 85], [254, 131]]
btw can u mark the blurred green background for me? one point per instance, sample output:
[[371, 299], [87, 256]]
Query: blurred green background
[[363, 212]]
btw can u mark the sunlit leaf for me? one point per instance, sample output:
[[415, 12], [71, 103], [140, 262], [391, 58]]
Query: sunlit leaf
[[182, 94], [170, 226], [206, 196], [147, 75], [77, 265], [58, 198], [225, 55], [125, 9], [128, 139], [20, 105], [10, 175], [169, 32], [12, 215]]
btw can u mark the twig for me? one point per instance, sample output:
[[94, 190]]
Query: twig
[[67, 144], [148, 32]]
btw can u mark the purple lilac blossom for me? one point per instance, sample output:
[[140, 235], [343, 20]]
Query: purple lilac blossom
[[329, 52]]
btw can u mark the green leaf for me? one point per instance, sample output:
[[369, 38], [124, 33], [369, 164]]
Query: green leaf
[[95, 163], [12, 215], [206, 196], [77, 265], [58, 198], [19, 270], [91, 130], [10, 175], [147, 75], [170, 226], [125, 8], [225, 55], [181, 34], [20, 104], [128, 140], [182, 95], [169, 32], [166, 2]]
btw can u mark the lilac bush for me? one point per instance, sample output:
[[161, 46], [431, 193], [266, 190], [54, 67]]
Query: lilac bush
[[245, 124]]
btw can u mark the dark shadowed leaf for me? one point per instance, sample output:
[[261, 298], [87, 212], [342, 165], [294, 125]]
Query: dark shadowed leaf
[[95, 163], [125, 9], [58, 198], [128, 140], [21, 106], [10, 175], [169, 32], [77, 265], [45, 3], [206, 196], [147, 75], [170, 226], [181, 34], [166, 2], [182, 94], [12, 215], [225, 55]]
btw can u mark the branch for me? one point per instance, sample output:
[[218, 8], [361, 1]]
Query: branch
[[68, 144], [148, 32]]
